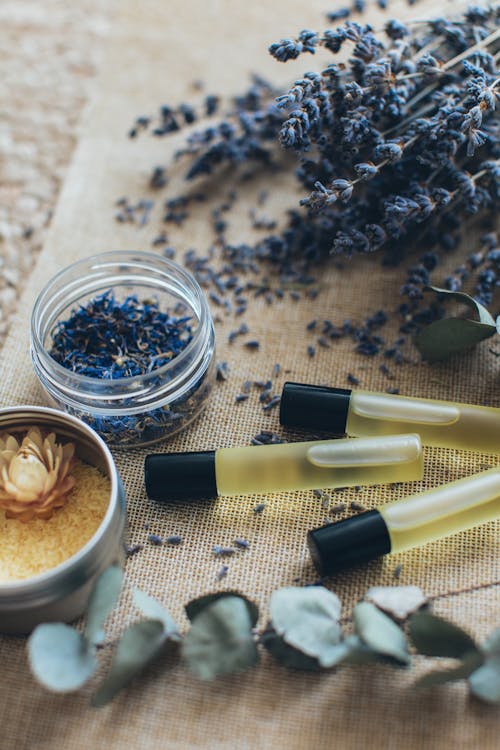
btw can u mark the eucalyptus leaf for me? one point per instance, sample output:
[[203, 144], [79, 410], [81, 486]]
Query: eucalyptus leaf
[[471, 661], [308, 620], [345, 652], [60, 657], [465, 299], [195, 606], [102, 601], [358, 653], [485, 682], [220, 640], [350, 651], [380, 633], [492, 644], [139, 645], [155, 611], [434, 636], [397, 601], [449, 336], [287, 655]]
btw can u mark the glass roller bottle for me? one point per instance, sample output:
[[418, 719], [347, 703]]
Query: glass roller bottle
[[283, 467], [407, 523], [359, 413]]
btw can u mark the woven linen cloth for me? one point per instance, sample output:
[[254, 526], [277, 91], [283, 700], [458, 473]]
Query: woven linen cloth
[[157, 51]]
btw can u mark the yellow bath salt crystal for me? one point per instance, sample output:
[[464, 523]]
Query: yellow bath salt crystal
[[28, 549]]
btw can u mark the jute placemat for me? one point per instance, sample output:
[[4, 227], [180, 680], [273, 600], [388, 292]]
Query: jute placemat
[[156, 52], [49, 56]]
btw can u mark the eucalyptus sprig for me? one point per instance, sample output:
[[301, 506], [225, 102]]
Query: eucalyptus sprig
[[304, 632]]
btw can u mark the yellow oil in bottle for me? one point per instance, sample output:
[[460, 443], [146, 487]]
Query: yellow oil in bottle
[[288, 466], [439, 423], [441, 512]]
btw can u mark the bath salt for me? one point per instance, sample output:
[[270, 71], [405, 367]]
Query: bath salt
[[28, 549]]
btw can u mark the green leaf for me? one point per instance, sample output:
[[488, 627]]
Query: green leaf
[[465, 299], [358, 652], [471, 661], [448, 336], [287, 655], [380, 633], [345, 652], [492, 643], [485, 681], [139, 645], [220, 640], [349, 651], [60, 657], [155, 611], [308, 620], [397, 601], [102, 601], [433, 636], [195, 606]]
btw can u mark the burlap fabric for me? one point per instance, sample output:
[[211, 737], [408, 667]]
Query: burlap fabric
[[156, 52]]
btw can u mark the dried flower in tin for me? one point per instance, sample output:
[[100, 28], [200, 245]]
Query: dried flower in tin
[[34, 475]]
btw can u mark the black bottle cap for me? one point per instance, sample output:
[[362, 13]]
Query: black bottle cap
[[315, 407], [347, 543], [180, 476]]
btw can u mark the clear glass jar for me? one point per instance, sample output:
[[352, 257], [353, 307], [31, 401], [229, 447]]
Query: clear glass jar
[[134, 410]]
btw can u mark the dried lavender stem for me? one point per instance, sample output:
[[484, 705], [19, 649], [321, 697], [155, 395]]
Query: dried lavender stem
[[476, 176], [450, 64], [480, 45]]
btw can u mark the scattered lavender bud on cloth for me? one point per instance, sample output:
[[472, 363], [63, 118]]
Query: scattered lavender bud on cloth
[[133, 549], [220, 551], [241, 543], [259, 508], [222, 572], [357, 507], [174, 540], [154, 539]]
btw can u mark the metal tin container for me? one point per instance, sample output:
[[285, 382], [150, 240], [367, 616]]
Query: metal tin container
[[61, 593]]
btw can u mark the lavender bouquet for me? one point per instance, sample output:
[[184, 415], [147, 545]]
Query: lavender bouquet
[[396, 146], [403, 134]]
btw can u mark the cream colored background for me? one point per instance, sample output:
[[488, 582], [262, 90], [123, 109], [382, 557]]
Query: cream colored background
[[156, 51]]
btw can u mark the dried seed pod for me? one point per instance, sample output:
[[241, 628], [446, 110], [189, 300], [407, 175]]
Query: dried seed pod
[[35, 475]]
